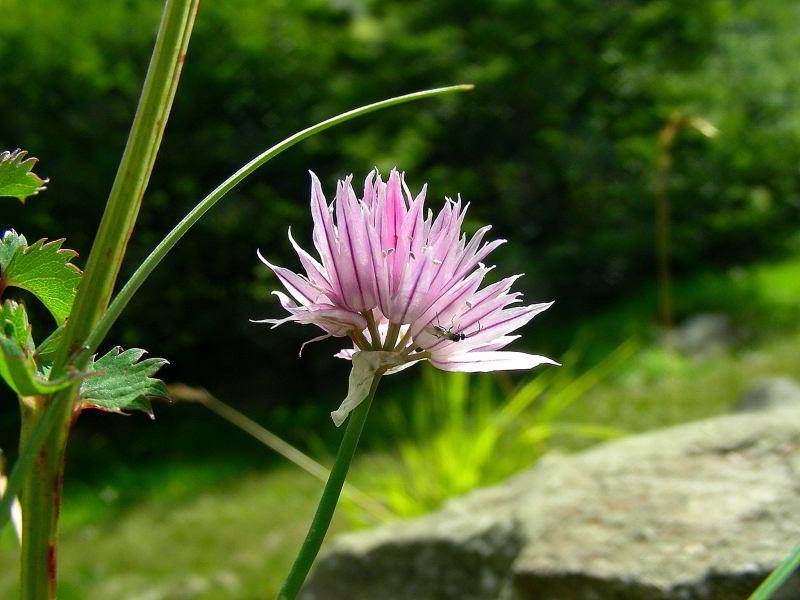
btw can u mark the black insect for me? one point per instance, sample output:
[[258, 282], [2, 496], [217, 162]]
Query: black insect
[[446, 333]]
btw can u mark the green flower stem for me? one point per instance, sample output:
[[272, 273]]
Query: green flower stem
[[43, 483], [157, 255], [778, 577], [40, 505], [330, 496]]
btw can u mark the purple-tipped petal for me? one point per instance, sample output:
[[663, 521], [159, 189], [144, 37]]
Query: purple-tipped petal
[[314, 270], [355, 261], [324, 235], [295, 284], [502, 323]]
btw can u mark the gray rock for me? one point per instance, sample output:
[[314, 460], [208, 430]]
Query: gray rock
[[769, 393], [704, 335], [702, 511]]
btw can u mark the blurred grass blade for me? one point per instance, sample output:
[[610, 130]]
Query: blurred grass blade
[[565, 396], [778, 577], [201, 396], [539, 433]]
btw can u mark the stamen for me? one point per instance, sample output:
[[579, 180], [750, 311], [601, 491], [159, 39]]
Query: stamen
[[373, 329], [359, 339], [391, 336], [405, 339]]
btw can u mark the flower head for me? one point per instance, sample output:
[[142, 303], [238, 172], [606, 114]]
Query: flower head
[[396, 279]]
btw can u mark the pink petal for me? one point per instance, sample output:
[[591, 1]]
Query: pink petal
[[370, 191], [445, 306], [380, 270], [356, 274], [481, 362], [501, 323], [409, 300], [314, 270], [295, 284], [311, 341], [324, 235], [500, 342], [392, 224]]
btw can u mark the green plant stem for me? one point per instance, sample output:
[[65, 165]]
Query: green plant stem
[[330, 496], [40, 504], [31, 441], [778, 577], [157, 255], [43, 483], [116, 226]]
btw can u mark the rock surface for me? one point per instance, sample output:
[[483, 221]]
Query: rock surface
[[697, 512], [704, 335], [770, 393]]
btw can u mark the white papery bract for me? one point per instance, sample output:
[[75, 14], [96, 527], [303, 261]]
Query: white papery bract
[[393, 278]]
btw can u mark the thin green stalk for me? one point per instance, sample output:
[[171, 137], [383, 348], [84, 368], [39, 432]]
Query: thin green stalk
[[43, 483], [285, 449], [30, 444], [157, 255], [40, 504], [778, 577], [330, 496], [105, 258]]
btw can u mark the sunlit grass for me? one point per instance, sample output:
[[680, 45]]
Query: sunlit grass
[[665, 389], [226, 541]]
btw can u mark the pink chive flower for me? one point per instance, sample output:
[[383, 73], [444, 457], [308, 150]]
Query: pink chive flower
[[396, 279]]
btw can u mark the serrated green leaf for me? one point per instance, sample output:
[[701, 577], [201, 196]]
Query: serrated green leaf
[[16, 178], [121, 383], [19, 371], [9, 245], [16, 326], [43, 269]]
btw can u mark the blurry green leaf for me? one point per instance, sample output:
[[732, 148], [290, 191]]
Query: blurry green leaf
[[43, 269], [539, 433], [17, 365], [16, 179], [121, 383]]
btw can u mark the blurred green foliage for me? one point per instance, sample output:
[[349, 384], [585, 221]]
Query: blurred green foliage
[[457, 433], [555, 146]]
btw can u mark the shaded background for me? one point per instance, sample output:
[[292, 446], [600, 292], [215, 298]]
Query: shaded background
[[556, 147]]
